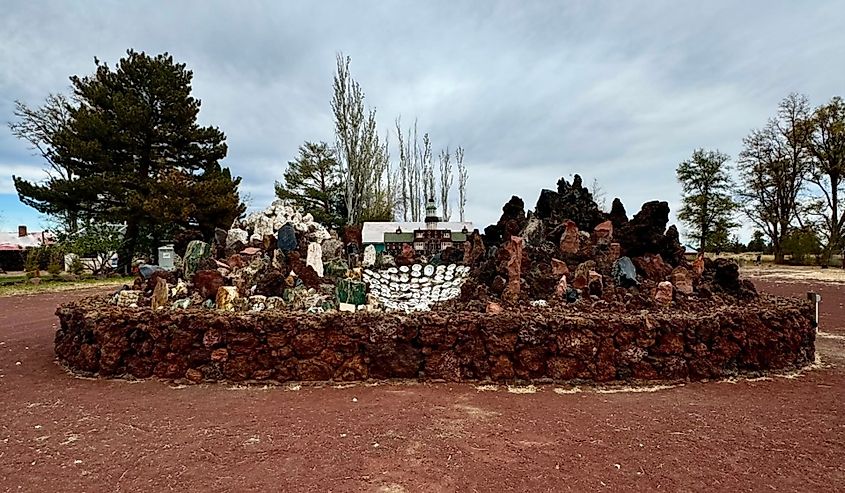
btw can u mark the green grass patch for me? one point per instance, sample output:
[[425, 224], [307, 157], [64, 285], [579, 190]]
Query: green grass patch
[[48, 285]]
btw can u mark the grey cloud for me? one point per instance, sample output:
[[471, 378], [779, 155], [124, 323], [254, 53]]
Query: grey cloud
[[619, 91]]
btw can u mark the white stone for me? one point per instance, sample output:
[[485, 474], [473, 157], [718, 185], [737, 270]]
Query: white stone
[[128, 298], [235, 235], [315, 258], [369, 256]]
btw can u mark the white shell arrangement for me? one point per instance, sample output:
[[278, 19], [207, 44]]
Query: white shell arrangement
[[415, 288]]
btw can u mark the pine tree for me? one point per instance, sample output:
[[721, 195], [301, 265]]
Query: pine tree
[[707, 204], [312, 181], [135, 153]]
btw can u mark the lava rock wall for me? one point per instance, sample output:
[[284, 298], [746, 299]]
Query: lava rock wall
[[534, 345]]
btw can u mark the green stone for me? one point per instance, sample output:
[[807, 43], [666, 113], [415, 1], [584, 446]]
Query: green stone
[[194, 254], [351, 291]]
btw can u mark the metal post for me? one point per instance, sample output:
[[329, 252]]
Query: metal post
[[815, 298]]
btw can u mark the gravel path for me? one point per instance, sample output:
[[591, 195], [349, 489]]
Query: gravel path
[[61, 433]]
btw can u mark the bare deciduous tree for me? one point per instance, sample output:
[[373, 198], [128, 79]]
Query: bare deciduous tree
[[446, 179], [826, 144], [773, 166], [463, 176]]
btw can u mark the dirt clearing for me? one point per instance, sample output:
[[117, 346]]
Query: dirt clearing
[[58, 432]]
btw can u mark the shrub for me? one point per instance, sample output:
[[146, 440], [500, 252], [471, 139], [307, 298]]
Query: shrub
[[30, 265]]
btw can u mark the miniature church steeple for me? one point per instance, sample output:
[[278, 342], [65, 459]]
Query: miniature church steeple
[[431, 217]]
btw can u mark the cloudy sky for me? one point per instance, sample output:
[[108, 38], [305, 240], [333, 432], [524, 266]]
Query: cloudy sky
[[616, 91]]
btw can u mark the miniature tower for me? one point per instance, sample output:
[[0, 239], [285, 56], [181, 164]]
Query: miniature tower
[[431, 217]]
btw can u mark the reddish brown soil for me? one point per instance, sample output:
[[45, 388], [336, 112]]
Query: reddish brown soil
[[63, 433]]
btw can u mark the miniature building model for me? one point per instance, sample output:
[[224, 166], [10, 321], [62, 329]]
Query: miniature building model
[[426, 238]]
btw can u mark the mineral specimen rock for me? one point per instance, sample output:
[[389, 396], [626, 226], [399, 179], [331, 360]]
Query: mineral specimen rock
[[672, 251], [644, 233], [207, 283], [226, 297], [304, 271], [128, 297], [369, 258], [664, 292], [351, 292], [332, 248], [147, 270], [514, 248], [336, 267], [180, 290], [570, 241], [682, 280], [257, 303], [386, 260], [315, 258], [287, 238], [196, 251], [624, 273], [406, 257], [160, 295], [236, 239], [534, 232]]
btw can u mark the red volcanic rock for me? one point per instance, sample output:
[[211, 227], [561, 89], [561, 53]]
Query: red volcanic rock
[[664, 291], [689, 341], [235, 261], [207, 283], [513, 247], [560, 289], [493, 308], [615, 252], [595, 284], [569, 240], [698, 265], [603, 233], [652, 267], [160, 294], [406, 257], [473, 249], [581, 279], [682, 280], [309, 276], [511, 223], [193, 375], [502, 368], [220, 354], [559, 268]]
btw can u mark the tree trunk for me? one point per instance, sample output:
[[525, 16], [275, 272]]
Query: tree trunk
[[127, 250]]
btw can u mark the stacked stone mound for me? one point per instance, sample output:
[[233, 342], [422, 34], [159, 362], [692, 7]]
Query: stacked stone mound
[[568, 250], [278, 258], [536, 344]]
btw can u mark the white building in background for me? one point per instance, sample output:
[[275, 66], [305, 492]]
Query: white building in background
[[23, 239]]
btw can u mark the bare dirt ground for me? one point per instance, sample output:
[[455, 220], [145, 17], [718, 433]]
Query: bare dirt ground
[[61, 433]]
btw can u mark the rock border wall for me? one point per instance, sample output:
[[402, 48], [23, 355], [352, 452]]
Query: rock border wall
[[538, 345]]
